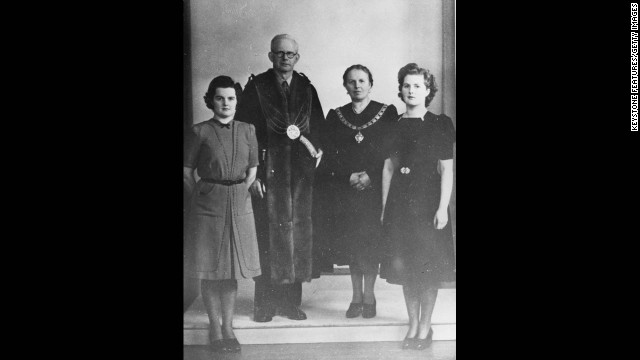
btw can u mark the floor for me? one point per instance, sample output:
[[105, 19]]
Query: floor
[[439, 350], [325, 300]]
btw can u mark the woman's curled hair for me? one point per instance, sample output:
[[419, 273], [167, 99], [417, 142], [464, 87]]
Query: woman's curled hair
[[224, 82], [429, 80]]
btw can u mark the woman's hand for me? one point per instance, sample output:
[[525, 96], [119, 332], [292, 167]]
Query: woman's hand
[[360, 180], [257, 189], [441, 219], [354, 179], [446, 186], [365, 181]]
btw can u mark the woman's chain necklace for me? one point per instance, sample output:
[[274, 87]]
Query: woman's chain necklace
[[359, 137]]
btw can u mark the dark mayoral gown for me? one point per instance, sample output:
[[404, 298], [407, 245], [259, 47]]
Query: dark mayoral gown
[[417, 251], [349, 222]]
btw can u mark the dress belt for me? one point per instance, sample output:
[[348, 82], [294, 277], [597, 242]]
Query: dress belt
[[224, 182]]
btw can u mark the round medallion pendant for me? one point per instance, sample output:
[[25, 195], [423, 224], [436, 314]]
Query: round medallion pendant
[[293, 132], [359, 137]]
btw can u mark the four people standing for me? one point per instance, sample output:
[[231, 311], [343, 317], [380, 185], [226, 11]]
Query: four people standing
[[385, 185]]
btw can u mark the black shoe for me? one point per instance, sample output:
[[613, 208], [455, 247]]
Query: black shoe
[[409, 343], [422, 344], [219, 346], [369, 310], [232, 345], [293, 312], [355, 310], [263, 314]]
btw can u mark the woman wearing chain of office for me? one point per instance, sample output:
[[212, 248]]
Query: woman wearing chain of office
[[356, 147]]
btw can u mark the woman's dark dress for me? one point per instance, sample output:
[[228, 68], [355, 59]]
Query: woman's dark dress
[[417, 251], [350, 225], [220, 234]]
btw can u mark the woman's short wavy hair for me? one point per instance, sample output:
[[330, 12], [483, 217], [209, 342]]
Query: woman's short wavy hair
[[356, 67], [224, 82], [429, 80]]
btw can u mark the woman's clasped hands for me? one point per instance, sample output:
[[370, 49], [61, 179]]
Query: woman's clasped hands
[[360, 180]]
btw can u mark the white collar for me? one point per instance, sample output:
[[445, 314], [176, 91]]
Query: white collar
[[281, 79]]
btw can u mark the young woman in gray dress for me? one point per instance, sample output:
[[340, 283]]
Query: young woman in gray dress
[[220, 235], [416, 188]]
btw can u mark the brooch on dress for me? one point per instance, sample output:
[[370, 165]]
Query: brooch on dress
[[405, 170]]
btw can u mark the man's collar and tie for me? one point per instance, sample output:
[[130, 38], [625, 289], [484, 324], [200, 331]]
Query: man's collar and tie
[[284, 83], [281, 78], [285, 87]]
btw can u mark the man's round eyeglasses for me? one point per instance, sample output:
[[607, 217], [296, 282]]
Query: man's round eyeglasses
[[281, 54]]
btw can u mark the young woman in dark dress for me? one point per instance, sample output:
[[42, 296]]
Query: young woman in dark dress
[[417, 184], [220, 235], [356, 148]]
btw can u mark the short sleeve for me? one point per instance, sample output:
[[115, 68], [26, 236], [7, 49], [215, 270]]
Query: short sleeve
[[192, 147], [253, 147], [444, 138]]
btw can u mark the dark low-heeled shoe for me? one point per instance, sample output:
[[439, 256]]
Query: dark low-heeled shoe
[[219, 346], [263, 314], [293, 312], [355, 310], [233, 345], [422, 344], [408, 343], [369, 310]]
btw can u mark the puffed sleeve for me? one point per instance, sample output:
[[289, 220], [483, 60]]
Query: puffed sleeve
[[253, 147], [192, 147], [444, 138]]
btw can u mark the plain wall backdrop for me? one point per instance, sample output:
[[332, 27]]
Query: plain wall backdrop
[[233, 38]]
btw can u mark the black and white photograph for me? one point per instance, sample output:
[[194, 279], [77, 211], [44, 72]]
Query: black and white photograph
[[319, 179], [277, 179]]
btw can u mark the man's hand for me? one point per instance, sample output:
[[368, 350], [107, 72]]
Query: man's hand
[[318, 157]]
